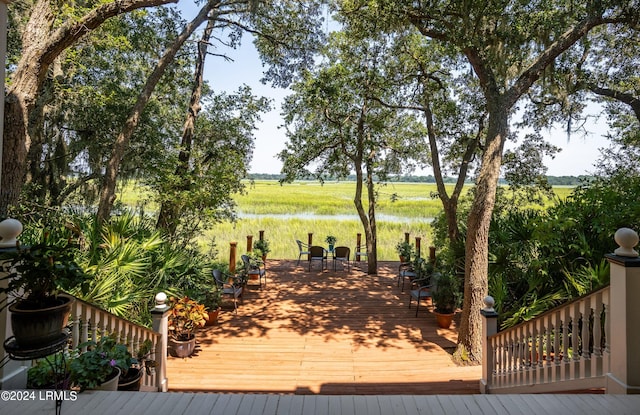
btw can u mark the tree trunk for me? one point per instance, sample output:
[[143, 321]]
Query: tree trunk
[[41, 46], [108, 191], [169, 211], [372, 231], [477, 242]]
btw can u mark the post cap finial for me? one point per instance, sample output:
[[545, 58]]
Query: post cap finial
[[627, 239], [489, 302], [9, 231], [161, 301]]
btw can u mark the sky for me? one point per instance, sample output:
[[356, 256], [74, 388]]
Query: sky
[[577, 157]]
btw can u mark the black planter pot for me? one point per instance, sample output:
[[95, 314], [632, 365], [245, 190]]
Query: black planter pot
[[182, 348], [131, 380], [34, 328]]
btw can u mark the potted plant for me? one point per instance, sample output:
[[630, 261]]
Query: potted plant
[[36, 275], [331, 240], [446, 298], [212, 300], [131, 378], [51, 372], [405, 251], [185, 317], [262, 245], [101, 365]]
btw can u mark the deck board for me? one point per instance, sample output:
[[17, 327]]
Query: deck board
[[153, 403], [325, 332]]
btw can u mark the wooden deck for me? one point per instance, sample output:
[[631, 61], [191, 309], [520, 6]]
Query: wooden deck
[[150, 403], [325, 332]]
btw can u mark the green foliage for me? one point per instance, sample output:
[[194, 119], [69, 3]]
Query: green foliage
[[47, 371], [539, 258], [446, 294], [39, 271], [94, 366], [262, 245], [405, 250]]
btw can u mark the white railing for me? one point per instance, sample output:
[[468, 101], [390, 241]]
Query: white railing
[[566, 348], [89, 323]]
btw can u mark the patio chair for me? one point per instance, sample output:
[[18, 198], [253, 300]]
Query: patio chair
[[253, 269], [303, 249], [342, 254], [425, 288], [228, 289], [406, 271], [318, 253], [360, 254]]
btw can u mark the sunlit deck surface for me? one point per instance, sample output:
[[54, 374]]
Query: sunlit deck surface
[[325, 332]]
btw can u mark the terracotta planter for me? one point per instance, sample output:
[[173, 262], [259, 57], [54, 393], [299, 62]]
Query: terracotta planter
[[213, 317], [131, 381], [111, 384], [444, 320], [182, 348], [34, 328]]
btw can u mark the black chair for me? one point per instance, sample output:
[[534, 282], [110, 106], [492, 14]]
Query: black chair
[[228, 289], [318, 253], [406, 271], [303, 249], [254, 268], [425, 287], [342, 254]]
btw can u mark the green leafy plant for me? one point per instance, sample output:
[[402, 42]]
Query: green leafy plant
[[50, 372], [446, 294], [262, 245], [211, 298], [185, 317], [405, 250], [37, 273], [94, 366], [331, 240]]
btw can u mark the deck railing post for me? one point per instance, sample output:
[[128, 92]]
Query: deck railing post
[[489, 328], [233, 246], [160, 316], [418, 243], [624, 375], [309, 242], [249, 243]]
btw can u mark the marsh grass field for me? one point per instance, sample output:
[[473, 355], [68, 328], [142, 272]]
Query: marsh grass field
[[291, 211]]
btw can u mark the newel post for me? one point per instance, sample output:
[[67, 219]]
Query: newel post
[[13, 373], [489, 328], [624, 337], [160, 324]]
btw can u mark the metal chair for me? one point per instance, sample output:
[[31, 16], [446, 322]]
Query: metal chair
[[228, 289], [303, 250], [425, 288], [342, 254], [406, 271], [359, 254], [318, 253], [252, 268]]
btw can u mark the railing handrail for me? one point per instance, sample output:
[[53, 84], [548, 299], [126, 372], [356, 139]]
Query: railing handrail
[[89, 322], [115, 317], [551, 311]]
